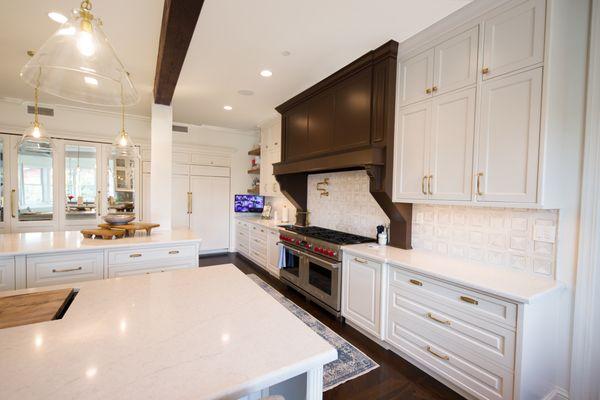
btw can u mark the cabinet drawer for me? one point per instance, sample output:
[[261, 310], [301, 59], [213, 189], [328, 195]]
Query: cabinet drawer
[[465, 337], [7, 274], [259, 257], [145, 254], [243, 248], [483, 379], [127, 270], [45, 270], [258, 231], [432, 292]]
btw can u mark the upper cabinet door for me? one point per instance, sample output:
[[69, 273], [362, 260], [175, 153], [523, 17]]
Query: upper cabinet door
[[353, 111], [509, 138], [451, 154], [296, 126], [456, 62], [320, 123], [514, 39], [416, 78], [412, 149]]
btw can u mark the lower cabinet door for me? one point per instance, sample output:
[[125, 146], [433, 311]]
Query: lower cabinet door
[[273, 252], [59, 268], [7, 273], [361, 293]]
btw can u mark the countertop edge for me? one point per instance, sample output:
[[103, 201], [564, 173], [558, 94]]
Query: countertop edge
[[448, 278]]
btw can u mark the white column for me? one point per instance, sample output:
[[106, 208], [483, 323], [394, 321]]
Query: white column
[[314, 384], [161, 153]]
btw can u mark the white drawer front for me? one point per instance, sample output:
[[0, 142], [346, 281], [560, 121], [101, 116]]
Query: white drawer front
[[115, 272], [257, 231], [54, 269], [462, 300], [243, 248], [148, 254], [483, 379], [465, 337], [7, 273], [258, 257]]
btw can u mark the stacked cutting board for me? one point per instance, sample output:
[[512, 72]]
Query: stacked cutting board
[[108, 231]]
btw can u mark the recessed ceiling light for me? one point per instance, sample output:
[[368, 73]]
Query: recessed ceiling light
[[227, 108], [245, 92], [90, 81], [266, 73], [57, 17]]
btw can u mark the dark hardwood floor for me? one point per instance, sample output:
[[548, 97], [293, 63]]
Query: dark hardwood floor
[[394, 379]]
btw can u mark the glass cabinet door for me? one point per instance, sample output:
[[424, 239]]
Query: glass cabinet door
[[121, 185], [34, 176], [81, 182]]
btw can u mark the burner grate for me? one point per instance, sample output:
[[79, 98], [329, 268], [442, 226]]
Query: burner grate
[[330, 235]]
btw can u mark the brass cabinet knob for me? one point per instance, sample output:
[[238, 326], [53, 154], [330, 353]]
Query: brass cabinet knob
[[434, 89], [485, 70], [428, 91]]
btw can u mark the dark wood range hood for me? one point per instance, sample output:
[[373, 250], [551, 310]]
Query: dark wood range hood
[[346, 122]]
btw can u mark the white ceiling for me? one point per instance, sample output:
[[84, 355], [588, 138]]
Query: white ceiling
[[234, 40]]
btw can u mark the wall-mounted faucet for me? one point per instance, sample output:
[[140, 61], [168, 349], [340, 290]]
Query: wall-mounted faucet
[[322, 189]]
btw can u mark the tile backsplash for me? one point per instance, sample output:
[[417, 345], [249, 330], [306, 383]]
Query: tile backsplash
[[523, 239], [349, 207]]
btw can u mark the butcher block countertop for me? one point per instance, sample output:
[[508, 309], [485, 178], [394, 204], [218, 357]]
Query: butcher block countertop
[[31, 308], [14, 244], [202, 333]]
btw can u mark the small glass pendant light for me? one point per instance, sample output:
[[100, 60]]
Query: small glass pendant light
[[78, 63], [35, 136], [123, 146]]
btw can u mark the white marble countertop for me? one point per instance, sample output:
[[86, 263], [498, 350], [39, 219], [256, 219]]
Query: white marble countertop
[[268, 223], [206, 333], [12, 244], [512, 285]]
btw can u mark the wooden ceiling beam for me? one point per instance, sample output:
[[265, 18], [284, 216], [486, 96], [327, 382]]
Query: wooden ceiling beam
[[178, 25]]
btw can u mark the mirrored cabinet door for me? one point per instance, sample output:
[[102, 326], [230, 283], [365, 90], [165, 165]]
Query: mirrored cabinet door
[[4, 185], [32, 194], [81, 195]]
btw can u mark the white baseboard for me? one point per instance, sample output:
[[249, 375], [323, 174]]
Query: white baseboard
[[557, 394]]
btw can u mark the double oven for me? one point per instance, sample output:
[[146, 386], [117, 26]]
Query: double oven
[[319, 276]]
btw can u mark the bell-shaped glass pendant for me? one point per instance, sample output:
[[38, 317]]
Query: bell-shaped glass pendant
[[35, 136], [78, 63]]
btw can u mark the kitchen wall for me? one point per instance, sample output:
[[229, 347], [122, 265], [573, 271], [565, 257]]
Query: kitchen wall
[[349, 207], [521, 239]]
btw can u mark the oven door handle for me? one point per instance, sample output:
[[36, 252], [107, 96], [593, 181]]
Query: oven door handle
[[326, 264]]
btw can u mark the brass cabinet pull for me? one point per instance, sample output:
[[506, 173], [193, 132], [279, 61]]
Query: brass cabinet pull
[[429, 178], [12, 203], [485, 70], [438, 355], [67, 270], [360, 260], [428, 91], [98, 198], [135, 255], [189, 199], [423, 185], [469, 300], [441, 321], [174, 252], [434, 89], [416, 282], [479, 192]]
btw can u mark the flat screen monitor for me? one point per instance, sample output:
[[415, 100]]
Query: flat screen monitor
[[248, 203]]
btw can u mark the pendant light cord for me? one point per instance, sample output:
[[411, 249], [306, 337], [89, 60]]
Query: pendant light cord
[[35, 106]]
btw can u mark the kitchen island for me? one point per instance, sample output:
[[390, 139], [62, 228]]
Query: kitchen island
[[35, 259], [204, 333]]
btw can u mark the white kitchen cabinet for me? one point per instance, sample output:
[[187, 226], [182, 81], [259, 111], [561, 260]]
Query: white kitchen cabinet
[[514, 39], [451, 146], [509, 138], [416, 78], [412, 150], [55, 269], [270, 150], [5, 186], [140, 260], [456, 62], [258, 245], [361, 293], [434, 148], [200, 201], [242, 237], [273, 251], [209, 213], [7, 273]]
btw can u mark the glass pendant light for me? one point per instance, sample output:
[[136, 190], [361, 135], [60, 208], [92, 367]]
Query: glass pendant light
[[123, 146], [35, 136], [78, 63]]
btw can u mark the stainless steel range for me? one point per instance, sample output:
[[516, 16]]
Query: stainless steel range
[[313, 260]]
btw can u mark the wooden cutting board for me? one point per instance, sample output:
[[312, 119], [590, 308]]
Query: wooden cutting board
[[30, 308], [131, 228]]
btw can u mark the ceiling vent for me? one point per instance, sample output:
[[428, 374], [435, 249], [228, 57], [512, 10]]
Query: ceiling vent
[[48, 112], [181, 129]]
